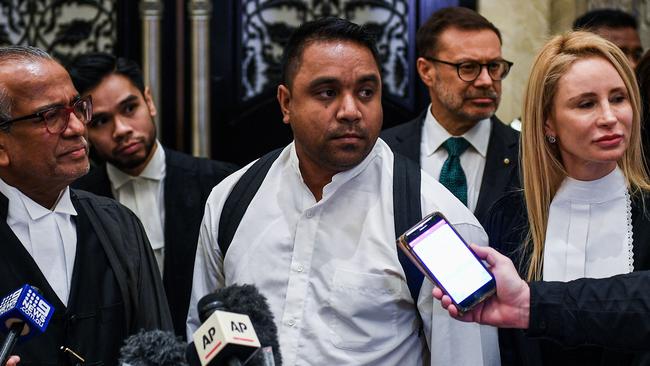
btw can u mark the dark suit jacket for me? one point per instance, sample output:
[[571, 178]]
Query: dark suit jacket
[[500, 175], [188, 182]]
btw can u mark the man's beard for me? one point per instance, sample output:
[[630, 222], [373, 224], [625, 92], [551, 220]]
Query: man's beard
[[454, 103], [133, 162]]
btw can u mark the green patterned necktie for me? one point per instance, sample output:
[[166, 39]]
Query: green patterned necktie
[[452, 175]]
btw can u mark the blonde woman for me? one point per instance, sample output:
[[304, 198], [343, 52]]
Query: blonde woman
[[582, 210]]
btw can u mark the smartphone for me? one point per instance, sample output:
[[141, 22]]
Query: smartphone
[[444, 257]]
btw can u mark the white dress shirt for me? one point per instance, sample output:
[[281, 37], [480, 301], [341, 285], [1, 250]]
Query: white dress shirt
[[589, 232], [330, 270], [145, 196], [433, 155], [49, 235]]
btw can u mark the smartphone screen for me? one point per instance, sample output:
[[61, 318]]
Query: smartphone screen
[[444, 254]]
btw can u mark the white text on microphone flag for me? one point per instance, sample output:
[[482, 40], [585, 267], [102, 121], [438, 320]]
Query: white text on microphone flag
[[26, 304], [221, 329]]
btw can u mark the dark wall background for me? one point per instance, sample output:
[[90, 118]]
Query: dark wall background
[[245, 128], [246, 43]]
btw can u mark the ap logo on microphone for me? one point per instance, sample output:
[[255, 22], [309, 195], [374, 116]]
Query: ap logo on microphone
[[225, 334]]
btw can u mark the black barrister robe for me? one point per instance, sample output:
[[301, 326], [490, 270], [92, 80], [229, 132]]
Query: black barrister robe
[[115, 288], [507, 228]]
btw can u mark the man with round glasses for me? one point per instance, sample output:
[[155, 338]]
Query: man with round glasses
[[88, 255], [458, 140]]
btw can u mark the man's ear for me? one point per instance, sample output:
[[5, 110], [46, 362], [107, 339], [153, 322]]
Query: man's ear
[[4, 154], [426, 71], [284, 98], [149, 101]]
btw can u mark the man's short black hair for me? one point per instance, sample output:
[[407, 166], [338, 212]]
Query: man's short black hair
[[324, 29], [88, 70], [600, 18], [426, 38]]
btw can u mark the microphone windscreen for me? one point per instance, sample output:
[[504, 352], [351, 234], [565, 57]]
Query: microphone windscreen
[[246, 299], [153, 348]]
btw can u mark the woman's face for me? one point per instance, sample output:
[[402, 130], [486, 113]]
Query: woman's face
[[591, 118]]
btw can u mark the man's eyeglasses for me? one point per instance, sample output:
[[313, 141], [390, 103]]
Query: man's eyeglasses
[[56, 118], [470, 70]]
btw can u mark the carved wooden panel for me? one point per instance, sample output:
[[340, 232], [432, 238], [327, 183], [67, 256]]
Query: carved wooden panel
[[267, 24], [63, 28]]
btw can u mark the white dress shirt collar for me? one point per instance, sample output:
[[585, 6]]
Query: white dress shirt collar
[[34, 210], [48, 235], [145, 196], [155, 169], [339, 178], [434, 135], [610, 187]]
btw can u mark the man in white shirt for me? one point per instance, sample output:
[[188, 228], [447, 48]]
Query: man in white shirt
[[458, 140], [88, 255], [318, 238], [165, 188]]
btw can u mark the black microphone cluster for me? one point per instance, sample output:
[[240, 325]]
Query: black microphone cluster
[[154, 347], [236, 322]]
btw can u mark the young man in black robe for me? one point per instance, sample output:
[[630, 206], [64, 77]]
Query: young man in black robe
[[88, 255], [166, 189]]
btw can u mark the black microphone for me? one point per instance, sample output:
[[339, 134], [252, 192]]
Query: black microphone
[[24, 313], [244, 299], [153, 348]]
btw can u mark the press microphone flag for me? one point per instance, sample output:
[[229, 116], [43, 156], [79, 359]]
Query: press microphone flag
[[28, 305], [23, 314], [225, 335], [246, 299]]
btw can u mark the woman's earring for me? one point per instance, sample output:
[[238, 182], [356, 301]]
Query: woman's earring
[[551, 139]]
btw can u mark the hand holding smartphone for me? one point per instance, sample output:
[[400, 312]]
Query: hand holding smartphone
[[444, 257]]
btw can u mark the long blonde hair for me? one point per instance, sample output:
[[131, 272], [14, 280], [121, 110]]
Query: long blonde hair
[[542, 167]]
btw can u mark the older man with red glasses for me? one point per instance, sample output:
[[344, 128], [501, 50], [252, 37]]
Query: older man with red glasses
[[88, 255]]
